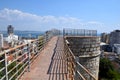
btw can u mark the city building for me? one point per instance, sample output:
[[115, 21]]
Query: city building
[[116, 48], [105, 38], [12, 38], [115, 37], [1, 40], [10, 29]]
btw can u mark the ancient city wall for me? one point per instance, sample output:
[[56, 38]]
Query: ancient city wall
[[88, 51]]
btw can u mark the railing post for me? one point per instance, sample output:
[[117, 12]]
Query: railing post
[[36, 47], [33, 47], [29, 57], [44, 42], [16, 55], [6, 69], [76, 76]]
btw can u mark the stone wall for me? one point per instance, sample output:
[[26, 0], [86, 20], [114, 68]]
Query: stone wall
[[88, 49]]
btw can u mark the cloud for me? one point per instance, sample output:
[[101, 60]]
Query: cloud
[[118, 25], [26, 21]]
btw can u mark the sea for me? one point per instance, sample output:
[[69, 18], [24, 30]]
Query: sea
[[29, 34], [25, 34]]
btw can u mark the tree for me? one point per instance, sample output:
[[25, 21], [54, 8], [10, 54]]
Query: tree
[[107, 70]]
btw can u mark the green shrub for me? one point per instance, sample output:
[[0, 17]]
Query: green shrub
[[107, 70]]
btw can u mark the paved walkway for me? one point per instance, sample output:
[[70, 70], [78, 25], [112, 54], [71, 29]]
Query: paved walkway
[[50, 64]]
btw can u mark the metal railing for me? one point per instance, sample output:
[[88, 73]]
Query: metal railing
[[75, 69], [79, 32], [15, 61]]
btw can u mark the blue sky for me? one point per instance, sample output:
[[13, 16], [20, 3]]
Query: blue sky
[[103, 15]]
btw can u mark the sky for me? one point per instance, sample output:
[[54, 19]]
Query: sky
[[42, 15]]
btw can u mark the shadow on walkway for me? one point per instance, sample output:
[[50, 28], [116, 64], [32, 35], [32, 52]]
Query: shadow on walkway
[[58, 67]]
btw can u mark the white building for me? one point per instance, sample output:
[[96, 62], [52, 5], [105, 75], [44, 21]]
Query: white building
[[12, 38], [1, 40], [116, 48]]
